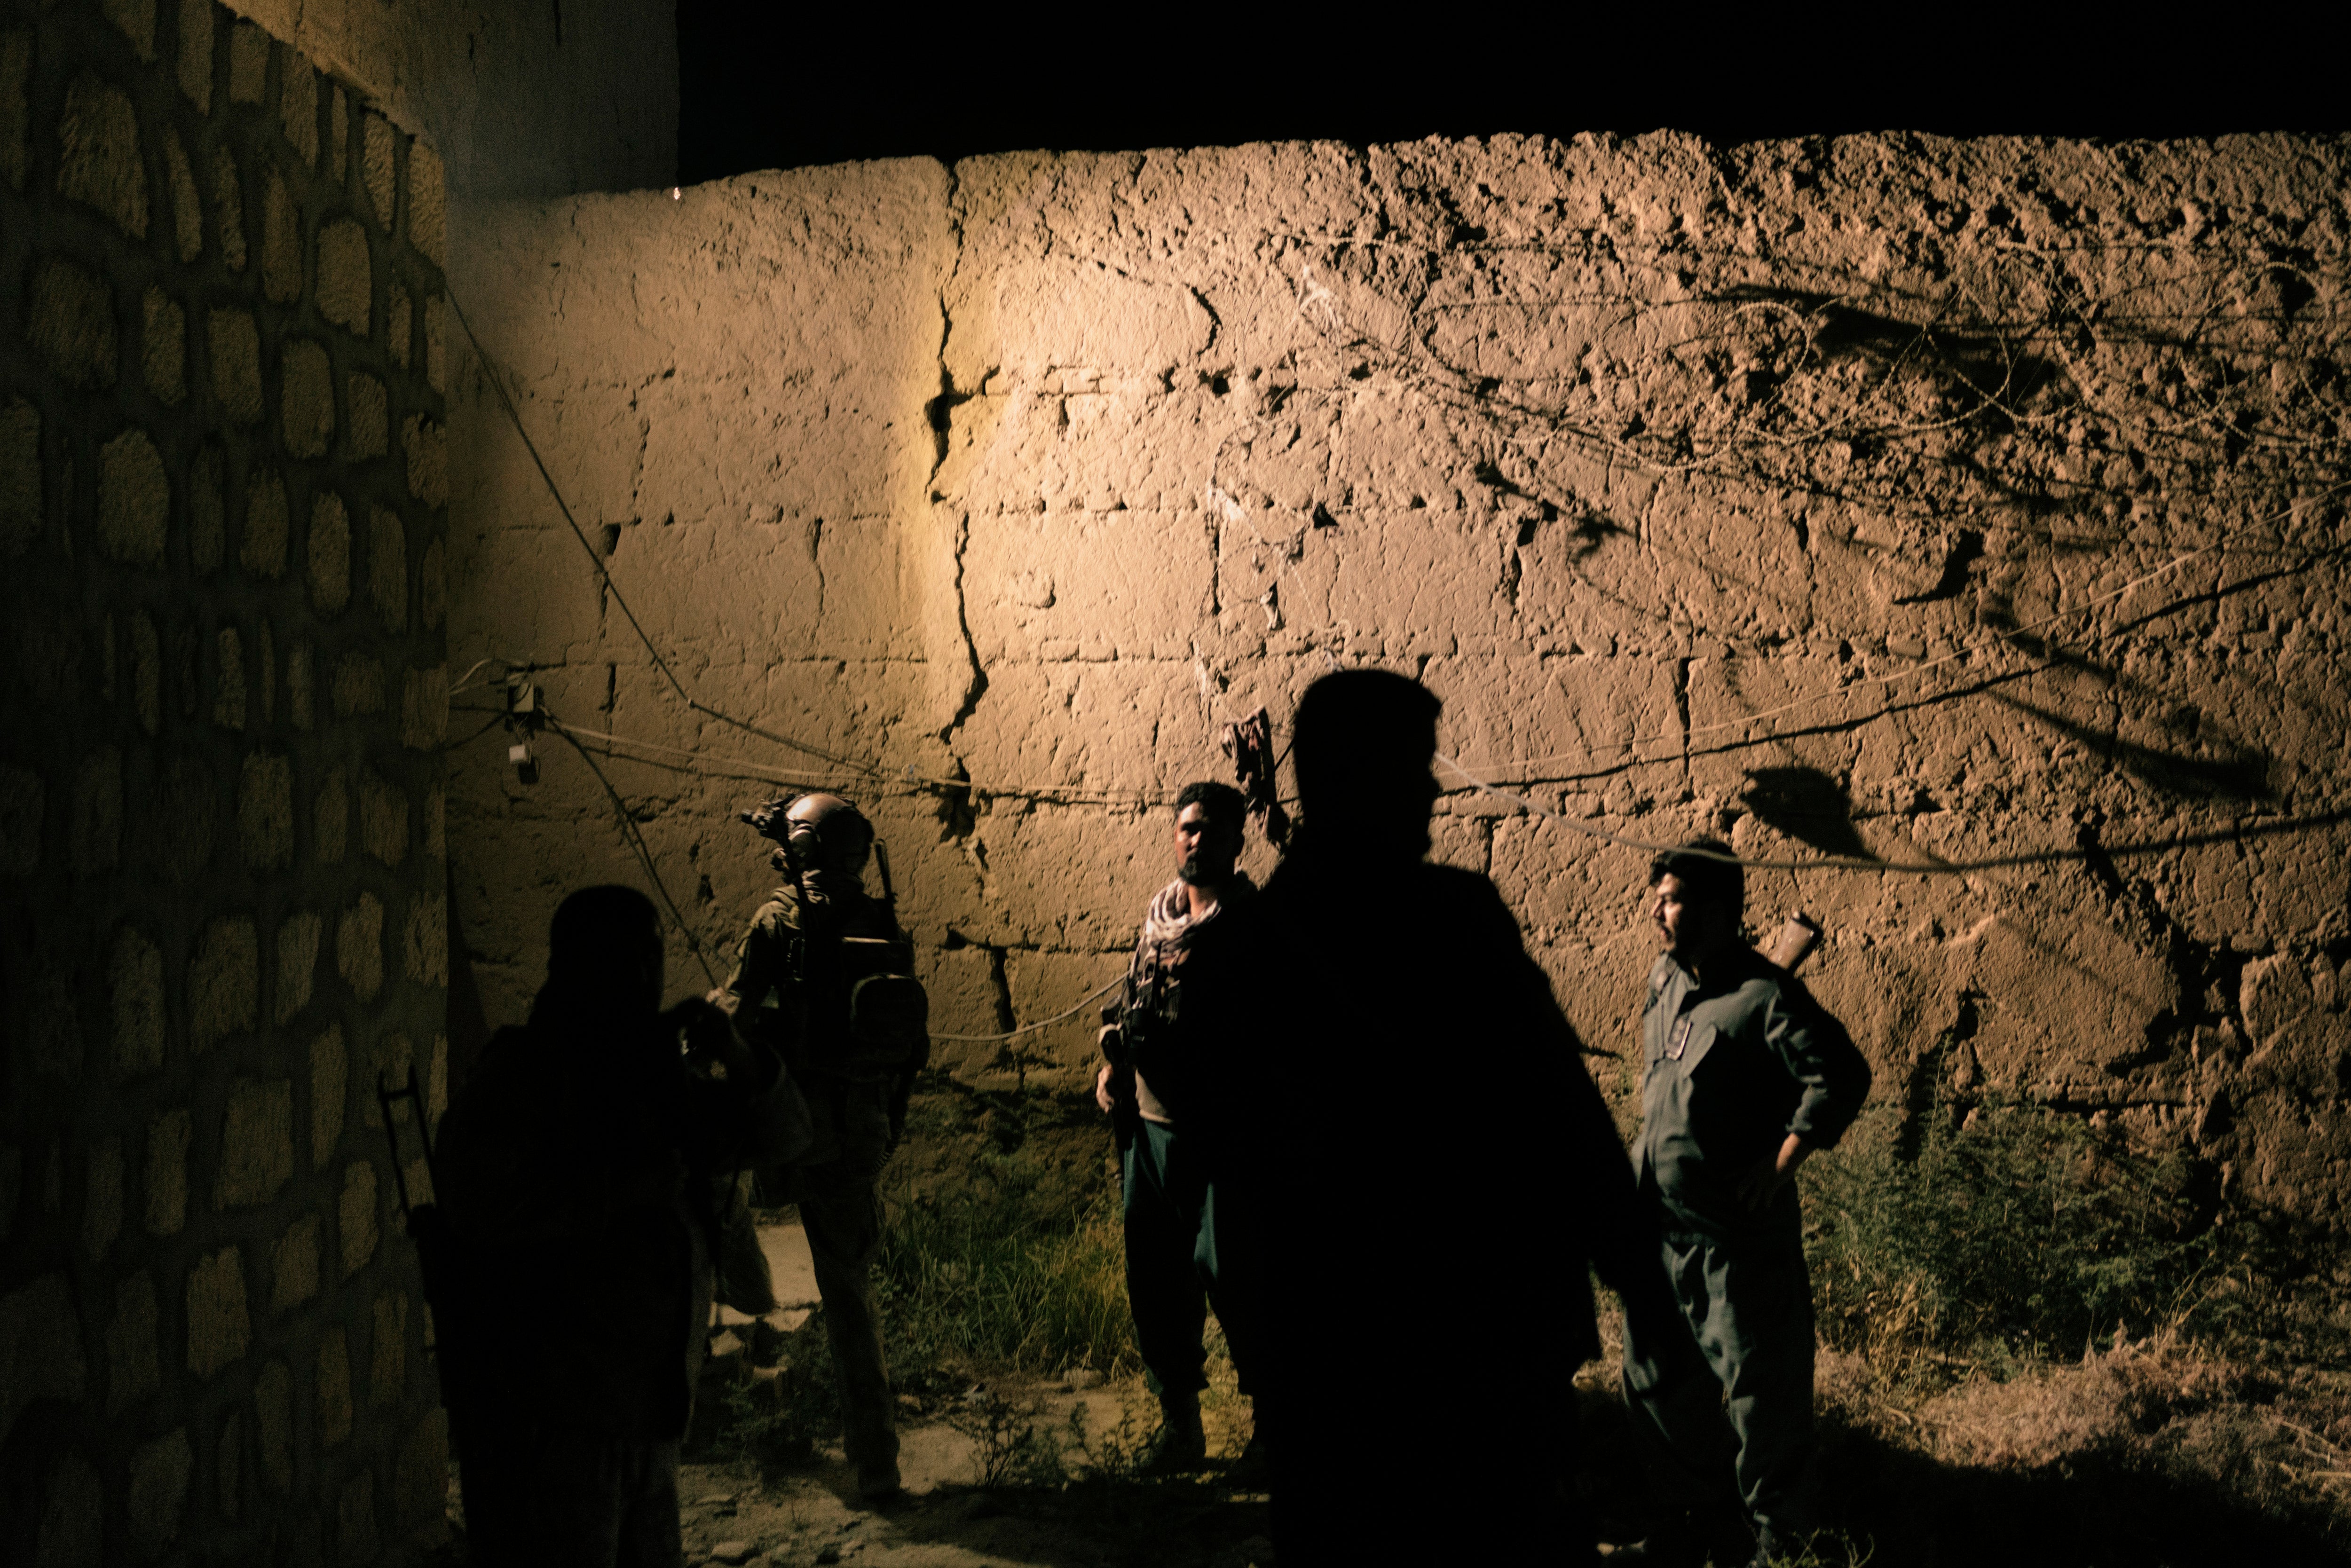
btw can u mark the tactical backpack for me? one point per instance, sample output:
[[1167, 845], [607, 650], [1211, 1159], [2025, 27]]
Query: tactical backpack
[[868, 1016]]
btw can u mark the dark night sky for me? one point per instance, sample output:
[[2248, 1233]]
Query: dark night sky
[[772, 86]]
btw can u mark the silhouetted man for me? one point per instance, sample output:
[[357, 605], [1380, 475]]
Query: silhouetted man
[[1169, 1194], [1742, 1076], [577, 1166], [1415, 1164]]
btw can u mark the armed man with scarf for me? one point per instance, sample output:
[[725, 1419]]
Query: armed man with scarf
[[1170, 1190]]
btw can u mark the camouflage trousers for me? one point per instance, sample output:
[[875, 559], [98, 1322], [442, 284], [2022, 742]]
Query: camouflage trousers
[[841, 1209]]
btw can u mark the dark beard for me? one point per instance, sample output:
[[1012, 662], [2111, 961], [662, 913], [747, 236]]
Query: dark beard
[[1190, 873]]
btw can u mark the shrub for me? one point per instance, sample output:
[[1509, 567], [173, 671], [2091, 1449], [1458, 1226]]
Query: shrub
[[2002, 1229]]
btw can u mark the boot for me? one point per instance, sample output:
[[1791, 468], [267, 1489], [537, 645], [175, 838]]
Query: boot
[[1181, 1443]]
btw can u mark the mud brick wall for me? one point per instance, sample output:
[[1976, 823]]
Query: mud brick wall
[[1975, 507], [517, 99], [223, 545]]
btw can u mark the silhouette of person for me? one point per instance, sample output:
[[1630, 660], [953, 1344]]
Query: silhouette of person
[[1413, 1162], [577, 1168]]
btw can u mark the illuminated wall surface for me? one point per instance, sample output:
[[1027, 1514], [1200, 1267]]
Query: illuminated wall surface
[[1974, 506], [1971, 506]]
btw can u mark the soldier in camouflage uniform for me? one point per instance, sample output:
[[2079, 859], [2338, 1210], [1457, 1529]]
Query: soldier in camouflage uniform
[[797, 969]]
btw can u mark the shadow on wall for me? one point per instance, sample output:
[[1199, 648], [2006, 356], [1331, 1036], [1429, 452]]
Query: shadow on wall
[[2240, 772], [1806, 805], [2008, 396]]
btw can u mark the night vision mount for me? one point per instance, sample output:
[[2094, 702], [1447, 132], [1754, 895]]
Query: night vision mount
[[772, 822], [769, 820]]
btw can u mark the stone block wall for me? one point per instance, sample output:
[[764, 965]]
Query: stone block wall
[[223, 580], [1971, 506]]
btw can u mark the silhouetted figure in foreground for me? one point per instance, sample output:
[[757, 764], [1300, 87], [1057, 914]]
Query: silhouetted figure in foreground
[[1742, 1076], [1415, 1163], [1168, 1187], [577, 1168]]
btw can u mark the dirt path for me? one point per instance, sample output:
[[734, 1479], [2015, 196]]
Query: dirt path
[[948, 1519]]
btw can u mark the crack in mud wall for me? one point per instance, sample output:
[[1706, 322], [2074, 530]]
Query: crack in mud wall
[[1966, 504]]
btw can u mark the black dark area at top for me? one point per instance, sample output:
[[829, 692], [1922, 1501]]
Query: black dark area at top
[[772, 86]]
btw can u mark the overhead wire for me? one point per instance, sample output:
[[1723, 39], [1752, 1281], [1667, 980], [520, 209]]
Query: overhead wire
[[636, 840], [603, 573], [1531, 806], [871, 772], [1287, 553], [628, 825], [1310, 294], [702, 762], [2005, 637]]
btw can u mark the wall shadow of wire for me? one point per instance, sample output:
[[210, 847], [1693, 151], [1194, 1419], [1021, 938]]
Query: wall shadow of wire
[[2239, 773]]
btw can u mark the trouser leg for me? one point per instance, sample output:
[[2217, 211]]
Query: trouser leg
[[843, 1217], [1726, 1402], [1674, 1395], [649, 1534], [1162, 1279], [1764, 1317], [841, 1209], [495, 1477], [602, 1503], [1221, 1256]]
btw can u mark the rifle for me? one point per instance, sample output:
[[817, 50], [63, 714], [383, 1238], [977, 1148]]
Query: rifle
[[1792, 943], [448, 1283], [1117, 1046]]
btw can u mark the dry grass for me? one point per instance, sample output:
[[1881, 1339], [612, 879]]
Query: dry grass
[[2039, 1344], [2044, 1341]]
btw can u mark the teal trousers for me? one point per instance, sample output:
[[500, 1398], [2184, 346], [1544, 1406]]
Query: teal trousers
[[1725, 1394], [1173, 1269]]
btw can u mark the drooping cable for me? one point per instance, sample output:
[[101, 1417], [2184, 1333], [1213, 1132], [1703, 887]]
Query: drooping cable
[[1531, 806], [1083, 1002], [514, 416], [644, 855]]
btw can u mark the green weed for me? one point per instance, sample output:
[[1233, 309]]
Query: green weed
[[1013, 1265], [2000, 1232], [782, 1423], [1016, 1267]]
